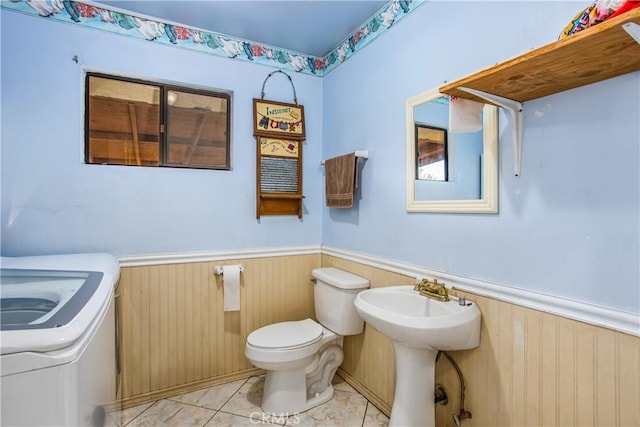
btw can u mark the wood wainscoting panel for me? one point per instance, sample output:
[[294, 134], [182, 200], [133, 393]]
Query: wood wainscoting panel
[[176, 333], [537, 369], [627, 393], [531, 369]]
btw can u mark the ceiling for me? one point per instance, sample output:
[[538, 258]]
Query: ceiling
[[312, 27]]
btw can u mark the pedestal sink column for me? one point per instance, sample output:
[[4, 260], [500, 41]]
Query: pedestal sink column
[[416, 325], [415, 376]]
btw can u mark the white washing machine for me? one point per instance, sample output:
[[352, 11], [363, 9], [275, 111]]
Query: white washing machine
[[58, 339]]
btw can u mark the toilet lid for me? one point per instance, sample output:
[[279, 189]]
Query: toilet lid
[[286, 334]]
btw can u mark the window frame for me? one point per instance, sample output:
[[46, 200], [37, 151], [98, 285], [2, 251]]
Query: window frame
[[163, 119], [445, 158]]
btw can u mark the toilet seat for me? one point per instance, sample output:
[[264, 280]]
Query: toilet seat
[[286, 335], [284, 344]]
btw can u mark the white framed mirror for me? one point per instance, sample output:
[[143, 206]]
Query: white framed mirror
[[447, 171]]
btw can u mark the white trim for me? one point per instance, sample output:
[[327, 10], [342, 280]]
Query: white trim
[[606, 317], [610, 318], [489, 201], [181, 258]]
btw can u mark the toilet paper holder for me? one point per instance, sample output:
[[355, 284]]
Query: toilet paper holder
[[217, 270]]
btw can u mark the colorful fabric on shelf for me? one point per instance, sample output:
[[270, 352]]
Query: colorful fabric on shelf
[[595, 13], [627, 6]]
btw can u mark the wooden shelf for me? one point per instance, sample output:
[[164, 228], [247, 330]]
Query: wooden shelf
[[598, 53]]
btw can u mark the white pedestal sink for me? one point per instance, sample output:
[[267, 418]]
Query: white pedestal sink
[[418, 327]]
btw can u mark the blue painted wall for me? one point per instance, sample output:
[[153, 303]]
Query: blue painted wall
[[52, 202], [569, 226]]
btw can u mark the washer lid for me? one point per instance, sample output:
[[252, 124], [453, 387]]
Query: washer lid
[[286, 334], [82, 300]]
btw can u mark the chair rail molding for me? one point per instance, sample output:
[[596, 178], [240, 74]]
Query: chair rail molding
[[188, 257], [618, 320]]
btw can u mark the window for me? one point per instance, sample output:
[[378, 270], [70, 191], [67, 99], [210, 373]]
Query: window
[[431, 153], [133, 122]]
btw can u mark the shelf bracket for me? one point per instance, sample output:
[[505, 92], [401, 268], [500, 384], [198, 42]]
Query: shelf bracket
[[515, 110], [633, 30]]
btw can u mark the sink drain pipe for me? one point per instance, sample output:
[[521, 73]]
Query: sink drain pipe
[[462, 414]]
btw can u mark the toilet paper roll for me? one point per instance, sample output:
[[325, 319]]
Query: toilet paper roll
[[231, 291]]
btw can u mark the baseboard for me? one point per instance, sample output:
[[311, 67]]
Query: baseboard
[[186, 388], [363, 390]]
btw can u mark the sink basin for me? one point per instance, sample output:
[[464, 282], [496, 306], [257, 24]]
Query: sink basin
[[404, 316], [418, 328]]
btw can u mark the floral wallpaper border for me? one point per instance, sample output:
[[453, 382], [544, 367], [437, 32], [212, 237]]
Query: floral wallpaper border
[[103, 18]]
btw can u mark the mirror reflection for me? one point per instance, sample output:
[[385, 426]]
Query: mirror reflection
[[431, 156], [450, 171]]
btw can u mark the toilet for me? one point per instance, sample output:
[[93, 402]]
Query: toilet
[[301, 357]]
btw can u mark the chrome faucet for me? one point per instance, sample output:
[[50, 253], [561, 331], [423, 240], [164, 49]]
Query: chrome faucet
[[432, 289]]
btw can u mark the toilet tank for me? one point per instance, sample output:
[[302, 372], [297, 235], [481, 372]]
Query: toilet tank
[[334, 293]]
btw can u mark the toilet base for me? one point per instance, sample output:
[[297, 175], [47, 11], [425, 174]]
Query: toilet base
[[285, 393], [296, 385]]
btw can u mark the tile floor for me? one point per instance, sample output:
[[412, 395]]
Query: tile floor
[[238, 404]]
